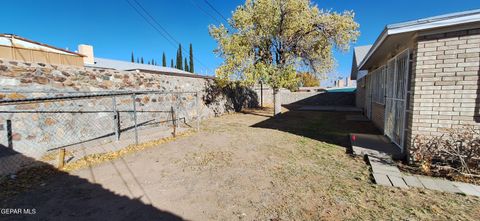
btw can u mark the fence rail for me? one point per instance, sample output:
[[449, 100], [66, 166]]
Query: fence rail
[[36, 123]]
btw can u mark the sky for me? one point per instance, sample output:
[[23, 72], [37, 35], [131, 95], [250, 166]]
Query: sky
[[115, 29]]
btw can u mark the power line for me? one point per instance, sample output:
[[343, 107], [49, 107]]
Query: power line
[[162, 28], [150, 23], [214, 9], [205, 11]]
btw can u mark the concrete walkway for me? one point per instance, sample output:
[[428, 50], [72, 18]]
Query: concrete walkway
[[379, 154], [331, 108]]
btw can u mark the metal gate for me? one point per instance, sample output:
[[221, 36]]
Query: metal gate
[[395, 104]]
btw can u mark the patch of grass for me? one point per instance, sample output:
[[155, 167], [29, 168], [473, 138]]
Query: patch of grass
[[95, 159]]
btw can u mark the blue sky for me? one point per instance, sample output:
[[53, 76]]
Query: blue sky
[[115, 29]]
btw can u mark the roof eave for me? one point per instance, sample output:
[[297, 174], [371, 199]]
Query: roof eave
[[377, 43], [435, 22]]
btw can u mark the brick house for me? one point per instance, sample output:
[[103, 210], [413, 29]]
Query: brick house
[[422, 76]]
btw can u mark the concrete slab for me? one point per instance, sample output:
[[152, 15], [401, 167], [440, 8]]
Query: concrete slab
[[429, 183], [386, 169], [447, 186], [381, 160], [381, 179], [331, 108], [397, 182], [357, 118], [476, 187], [413, 181], [376, 145], [467, 189]]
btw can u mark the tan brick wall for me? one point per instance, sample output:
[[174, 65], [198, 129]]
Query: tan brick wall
[[378, 115], [445, 82]]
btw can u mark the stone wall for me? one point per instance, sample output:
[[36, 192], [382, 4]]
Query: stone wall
[[445, 90], [35, 133]]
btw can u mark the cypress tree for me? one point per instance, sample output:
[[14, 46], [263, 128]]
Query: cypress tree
[[138, 61], [148, 62], [141, 60], [164, 60], [186, 65], [192, 69], [133, 58], [179, 58], [171, 64]]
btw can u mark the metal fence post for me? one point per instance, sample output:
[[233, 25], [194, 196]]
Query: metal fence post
[[174, 122], [261, 93], [116, 119], [197, 108], [135, 117], [9, 134]]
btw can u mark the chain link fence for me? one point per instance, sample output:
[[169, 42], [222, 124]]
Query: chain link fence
[[62, 127]]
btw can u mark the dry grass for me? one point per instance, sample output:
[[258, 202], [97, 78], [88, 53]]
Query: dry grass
[[248, 166], [95, 159]]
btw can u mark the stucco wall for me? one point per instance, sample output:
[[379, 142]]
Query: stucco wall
[[360, 93], [286, 96]]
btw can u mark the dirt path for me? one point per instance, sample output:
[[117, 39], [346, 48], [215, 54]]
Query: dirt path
[[247, 167]]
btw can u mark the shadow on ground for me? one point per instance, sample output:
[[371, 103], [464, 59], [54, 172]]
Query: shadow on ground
[[329, 127], [56, 195]]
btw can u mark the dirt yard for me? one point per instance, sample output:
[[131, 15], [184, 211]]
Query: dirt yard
[[243, 166]]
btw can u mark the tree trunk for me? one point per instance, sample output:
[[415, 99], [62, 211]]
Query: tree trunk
[[277, 102]]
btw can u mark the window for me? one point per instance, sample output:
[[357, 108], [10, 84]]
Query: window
[[378, 85]]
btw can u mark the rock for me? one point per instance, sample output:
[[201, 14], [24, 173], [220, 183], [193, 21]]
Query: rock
[[59, 78], [68, 83], [38, 72], [26, 80], [16, 136], [41, 80], [106, 84], [3, 68], [26, 106], [57, 73], [15, 96], [49, 121]]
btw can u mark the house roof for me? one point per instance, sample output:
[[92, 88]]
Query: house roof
[[359, 54], [434, 22], [12, 40], [129, 66]]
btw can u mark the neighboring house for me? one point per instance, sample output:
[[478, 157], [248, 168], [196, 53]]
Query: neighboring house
[[16, 48], [359, 54], [13, 47], [94, 62], [423, 76]]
